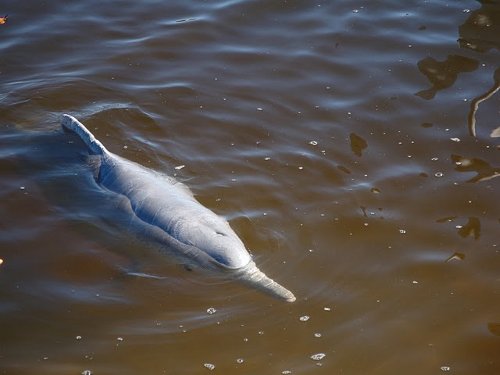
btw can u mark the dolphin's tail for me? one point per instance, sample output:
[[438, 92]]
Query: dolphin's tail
[[254, 277], [72, 124]]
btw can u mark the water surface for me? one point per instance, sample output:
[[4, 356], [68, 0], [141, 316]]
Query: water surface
[[352, 145]]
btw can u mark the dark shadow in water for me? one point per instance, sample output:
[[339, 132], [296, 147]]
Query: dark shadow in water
[[484, 171], [358, 144], [481, 31], [472, 228], [443, 74]]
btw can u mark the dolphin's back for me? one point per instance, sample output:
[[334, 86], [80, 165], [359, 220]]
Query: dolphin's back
[[162, 201]]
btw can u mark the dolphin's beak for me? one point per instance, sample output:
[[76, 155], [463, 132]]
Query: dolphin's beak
[[255, 278]]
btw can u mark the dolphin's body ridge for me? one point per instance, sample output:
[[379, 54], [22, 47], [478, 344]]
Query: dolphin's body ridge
[[172, 217]]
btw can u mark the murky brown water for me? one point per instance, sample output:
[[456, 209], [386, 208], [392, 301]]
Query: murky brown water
[[352, 145]]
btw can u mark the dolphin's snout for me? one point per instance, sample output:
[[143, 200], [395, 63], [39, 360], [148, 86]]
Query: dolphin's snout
[[255, 278]]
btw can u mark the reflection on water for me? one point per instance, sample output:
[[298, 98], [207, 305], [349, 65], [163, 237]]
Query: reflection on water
[[443, 74], [484, 171], [481, 30], [474, 106], [358, 144], [456, 256], [472, 228], [267, 110]]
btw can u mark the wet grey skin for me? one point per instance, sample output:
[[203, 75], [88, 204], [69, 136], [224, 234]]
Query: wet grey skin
[[171, 217]]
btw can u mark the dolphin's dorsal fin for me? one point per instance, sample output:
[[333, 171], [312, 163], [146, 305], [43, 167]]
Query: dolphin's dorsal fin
[[72, 124]]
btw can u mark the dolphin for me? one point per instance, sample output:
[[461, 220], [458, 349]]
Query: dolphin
[[168, 213]]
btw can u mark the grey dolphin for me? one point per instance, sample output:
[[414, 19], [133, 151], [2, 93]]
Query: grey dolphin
[[167, 211]]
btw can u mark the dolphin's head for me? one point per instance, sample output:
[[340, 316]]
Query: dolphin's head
[[214, 240], [212, 243], [217, 244]]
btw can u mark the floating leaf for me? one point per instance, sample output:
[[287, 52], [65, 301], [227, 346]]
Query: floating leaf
[[3, 20]]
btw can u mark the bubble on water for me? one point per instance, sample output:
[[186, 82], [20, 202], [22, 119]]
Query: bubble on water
[[318, 356], [286, 372], [259, 109], [304, 318], [86, 372], [119, 339], [327, 308], [179, 167], [209, 366], [355, 10], [438, 174], [267, 158], [402, 231], [313, 143], [78, 337], [240, 360], [211, 310], [317, 334], [445, 368], [455, 139], [261, 333], [466, 10]]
